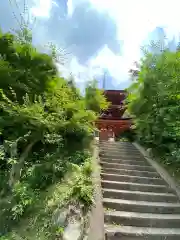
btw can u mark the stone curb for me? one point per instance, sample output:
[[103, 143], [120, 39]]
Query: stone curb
[[160, 169], [96, 229]]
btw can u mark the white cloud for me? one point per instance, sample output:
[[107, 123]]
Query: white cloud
[[70, 7], [80, 72], [72, 4], [55, 3], [116, 65], [135, 20], [42, 8]]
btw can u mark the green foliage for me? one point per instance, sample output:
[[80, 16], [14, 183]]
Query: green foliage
[[78, 157], [39, 224], [24, 197], [45, 125], [82, 190], [154, 101], [23, 69], [128, 135], [94, 98]]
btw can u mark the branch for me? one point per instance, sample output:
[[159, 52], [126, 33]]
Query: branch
[[15, 173]]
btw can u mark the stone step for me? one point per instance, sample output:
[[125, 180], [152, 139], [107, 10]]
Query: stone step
[[136, 186], [118, 150], [139, 196], [121, 156], [141, 206], [133, 179], [140, 233], [115, 143], [142, 219], [126, 166], [138, 203], [122, 161], [130, 172], [119, 147]]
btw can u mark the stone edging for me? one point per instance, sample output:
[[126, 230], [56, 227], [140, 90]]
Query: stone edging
[[160, 169], [96, 226]]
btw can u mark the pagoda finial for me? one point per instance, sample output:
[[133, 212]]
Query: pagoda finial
[[104, 79]]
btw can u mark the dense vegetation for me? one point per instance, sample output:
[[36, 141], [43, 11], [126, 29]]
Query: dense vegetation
[[46, 127], [154, 102]]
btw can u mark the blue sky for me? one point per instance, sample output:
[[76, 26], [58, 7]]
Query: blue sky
[[97, 35]]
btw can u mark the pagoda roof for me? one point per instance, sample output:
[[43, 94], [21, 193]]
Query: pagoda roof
[[115, 96], [115, 91]]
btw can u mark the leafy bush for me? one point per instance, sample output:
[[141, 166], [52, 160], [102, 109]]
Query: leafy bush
[[94, 98], [23, 196], [82, 188], [45, 124], [154, 101], [128, 135], [24, 69]]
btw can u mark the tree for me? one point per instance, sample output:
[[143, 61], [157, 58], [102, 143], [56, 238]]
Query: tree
[[40, 111], [23, 69], [154, 101], [135, 70], [94, 98], [45, 126]]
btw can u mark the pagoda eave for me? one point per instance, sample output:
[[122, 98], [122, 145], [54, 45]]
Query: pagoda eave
[[115, 125], [114, 121], [111, 123]]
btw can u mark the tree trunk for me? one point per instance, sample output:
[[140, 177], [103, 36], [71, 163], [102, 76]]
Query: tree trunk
[[17, 167]]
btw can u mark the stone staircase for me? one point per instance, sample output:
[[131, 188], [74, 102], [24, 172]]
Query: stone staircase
[[138, 203]]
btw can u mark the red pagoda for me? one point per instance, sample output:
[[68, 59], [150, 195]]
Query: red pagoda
[[112, 122]]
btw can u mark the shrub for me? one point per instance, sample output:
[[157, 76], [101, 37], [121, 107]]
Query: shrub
[[82, 188], [45, 124], [23, 197], [154, 101]]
